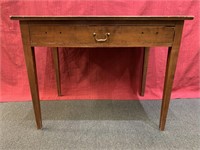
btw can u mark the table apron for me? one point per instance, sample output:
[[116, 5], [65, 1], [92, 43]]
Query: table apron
[[61, 35]]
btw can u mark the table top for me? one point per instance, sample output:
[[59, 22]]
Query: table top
[[101, 18]]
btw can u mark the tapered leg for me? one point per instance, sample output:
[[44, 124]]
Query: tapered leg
[[144, 70], [57, 70], [169, 75], [32, 75], [29, 55]]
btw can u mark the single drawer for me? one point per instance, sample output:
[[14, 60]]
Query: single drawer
[[62, 35]]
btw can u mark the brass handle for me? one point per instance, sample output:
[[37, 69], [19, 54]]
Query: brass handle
[[101, 40]]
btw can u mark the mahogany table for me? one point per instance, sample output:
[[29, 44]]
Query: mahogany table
[[124, 31]]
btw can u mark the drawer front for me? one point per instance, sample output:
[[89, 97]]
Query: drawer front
[[100, 36]]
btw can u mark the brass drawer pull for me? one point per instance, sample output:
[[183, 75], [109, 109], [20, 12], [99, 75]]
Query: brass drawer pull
[[101, 40]]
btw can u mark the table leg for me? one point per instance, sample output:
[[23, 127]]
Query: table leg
[[32, 75], [144, 70], [169, 75], [29, 55], [57, 70]]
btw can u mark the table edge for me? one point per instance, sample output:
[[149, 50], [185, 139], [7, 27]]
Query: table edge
[[164, 18]]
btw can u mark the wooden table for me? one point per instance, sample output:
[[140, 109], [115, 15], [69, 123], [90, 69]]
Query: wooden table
[[131, 31]]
